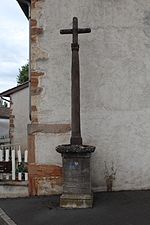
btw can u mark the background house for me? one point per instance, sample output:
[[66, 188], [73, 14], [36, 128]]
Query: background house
[[15, 126], [19, 114]]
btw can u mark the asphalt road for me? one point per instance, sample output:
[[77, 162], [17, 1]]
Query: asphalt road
[[115, 208]]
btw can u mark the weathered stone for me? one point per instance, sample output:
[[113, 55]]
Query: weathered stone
[[36, 73], [75, 148], [31, 147], [77, 178], [36, 30], [34, 82], [34, 2], [44, 179], [76, 201], [49, 128], [34, 108], [33, 23], [13, 189], [36, 91]]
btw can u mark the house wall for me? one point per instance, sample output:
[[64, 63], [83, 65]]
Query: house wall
[[4, 128], [4, 125], [19, 117], [115, 86], [4, 112]]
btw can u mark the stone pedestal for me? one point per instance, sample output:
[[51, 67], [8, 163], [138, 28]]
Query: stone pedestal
[[77, 177]]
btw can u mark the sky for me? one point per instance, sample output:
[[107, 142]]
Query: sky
[[14, 50]]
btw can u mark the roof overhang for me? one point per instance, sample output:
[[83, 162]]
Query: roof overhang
[[24, 4], [13, 90]]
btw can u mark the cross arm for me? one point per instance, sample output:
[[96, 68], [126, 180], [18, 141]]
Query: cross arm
[[66, 31], [80, 31], [84, 30]]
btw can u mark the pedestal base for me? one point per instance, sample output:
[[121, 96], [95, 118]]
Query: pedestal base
[[77, 177], [76, 201]]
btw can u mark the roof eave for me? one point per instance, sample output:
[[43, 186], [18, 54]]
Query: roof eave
[[9, 92], [24, 4]]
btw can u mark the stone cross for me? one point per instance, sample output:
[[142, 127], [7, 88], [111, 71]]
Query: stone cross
[[76, 138]]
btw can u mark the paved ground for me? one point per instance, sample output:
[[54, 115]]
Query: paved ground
[[116, 208]]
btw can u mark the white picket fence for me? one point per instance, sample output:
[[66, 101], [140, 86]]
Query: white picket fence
[[13, 163]]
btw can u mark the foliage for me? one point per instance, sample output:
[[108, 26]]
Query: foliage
[[22, 168], [23, 74]]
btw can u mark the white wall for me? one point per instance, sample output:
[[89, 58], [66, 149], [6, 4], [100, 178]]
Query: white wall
[[4, 127], [20, 109], [115, 84]]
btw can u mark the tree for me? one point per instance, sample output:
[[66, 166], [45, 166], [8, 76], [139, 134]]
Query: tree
[[23, 74]]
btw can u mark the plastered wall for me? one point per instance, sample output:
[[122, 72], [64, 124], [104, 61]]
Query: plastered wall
[[19, 118], [115, 84]]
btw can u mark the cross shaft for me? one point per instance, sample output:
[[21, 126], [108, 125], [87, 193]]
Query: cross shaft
[[76, 138]]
